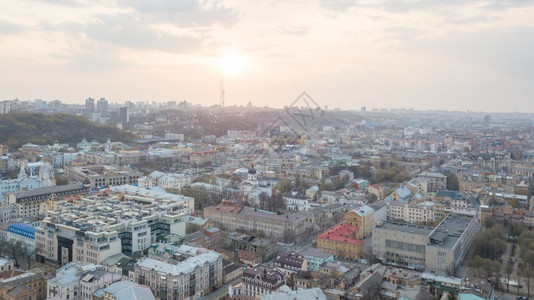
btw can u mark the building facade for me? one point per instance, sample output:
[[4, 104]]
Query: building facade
[[341, 241], [190, 279]]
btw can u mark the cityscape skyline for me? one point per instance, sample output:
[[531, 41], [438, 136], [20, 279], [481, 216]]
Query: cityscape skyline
[[438, 55]]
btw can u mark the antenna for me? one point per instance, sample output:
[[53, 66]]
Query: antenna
[[221, 94]]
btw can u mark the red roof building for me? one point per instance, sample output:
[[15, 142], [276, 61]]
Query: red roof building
[[341, 241]]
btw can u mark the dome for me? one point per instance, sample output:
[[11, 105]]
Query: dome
[[251, 170]]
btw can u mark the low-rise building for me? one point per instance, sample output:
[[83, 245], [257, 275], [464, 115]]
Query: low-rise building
[[18, 285], [260, 279], [291, 263], [296, 201], [6, 264], [376, 190], [307, 294], [23, 233], [124, 290], [77, 280], [341, 241], [316, 258]]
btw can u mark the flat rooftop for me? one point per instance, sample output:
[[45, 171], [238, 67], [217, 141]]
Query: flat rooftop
[[406, 227], [450, 230]]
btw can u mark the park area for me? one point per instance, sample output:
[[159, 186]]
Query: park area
[[505, 255]]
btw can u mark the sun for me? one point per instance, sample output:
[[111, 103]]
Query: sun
[[231, 64]]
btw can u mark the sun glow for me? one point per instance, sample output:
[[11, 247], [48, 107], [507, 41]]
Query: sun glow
[[231, 64]]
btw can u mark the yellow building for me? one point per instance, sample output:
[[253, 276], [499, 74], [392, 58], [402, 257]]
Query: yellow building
[[341, 241], [362, 218]]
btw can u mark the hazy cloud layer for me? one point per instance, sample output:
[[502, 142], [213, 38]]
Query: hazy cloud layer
[[10, 28], [424, 54]]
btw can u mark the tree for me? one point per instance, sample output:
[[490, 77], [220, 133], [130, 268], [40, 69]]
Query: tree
[[476, 263], [509, 270], [528, 274], [289, 236], [260, 233], [370, 198], [61, 179], [452, 182]]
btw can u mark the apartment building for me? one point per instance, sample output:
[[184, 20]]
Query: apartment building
[[439, 249], [101, 227], [189, 279], [60, 243], [233, 217], [421, 213], [362, 218], [434, 181]]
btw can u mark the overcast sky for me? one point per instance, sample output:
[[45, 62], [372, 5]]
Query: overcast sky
[[422, 54]]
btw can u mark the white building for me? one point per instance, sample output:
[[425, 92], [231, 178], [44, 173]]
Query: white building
[[23, 182], [6, 264], [189, 279], [25, 234], [77, 280], [296, 201], [166, 181]]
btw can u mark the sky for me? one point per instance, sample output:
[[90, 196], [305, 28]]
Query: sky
[[421, 54]]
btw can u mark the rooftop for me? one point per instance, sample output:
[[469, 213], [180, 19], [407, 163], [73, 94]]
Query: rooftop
[[406, 227], [183, 267], [342, 233], [127, 290], [312, 252]]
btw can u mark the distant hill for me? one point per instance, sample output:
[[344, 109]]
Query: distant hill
[[17, 129]]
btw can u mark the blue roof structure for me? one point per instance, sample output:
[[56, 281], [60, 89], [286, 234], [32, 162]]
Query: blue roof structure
[[22, 229], [404, 193]]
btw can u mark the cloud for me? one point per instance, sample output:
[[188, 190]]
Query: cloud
[[507, 4], [507, 50], [124, 30], [293, 30], [403, 6], [338, 5], [188, 13], [11, 28]]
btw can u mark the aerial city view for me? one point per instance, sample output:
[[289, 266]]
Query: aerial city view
[[268, 149]]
